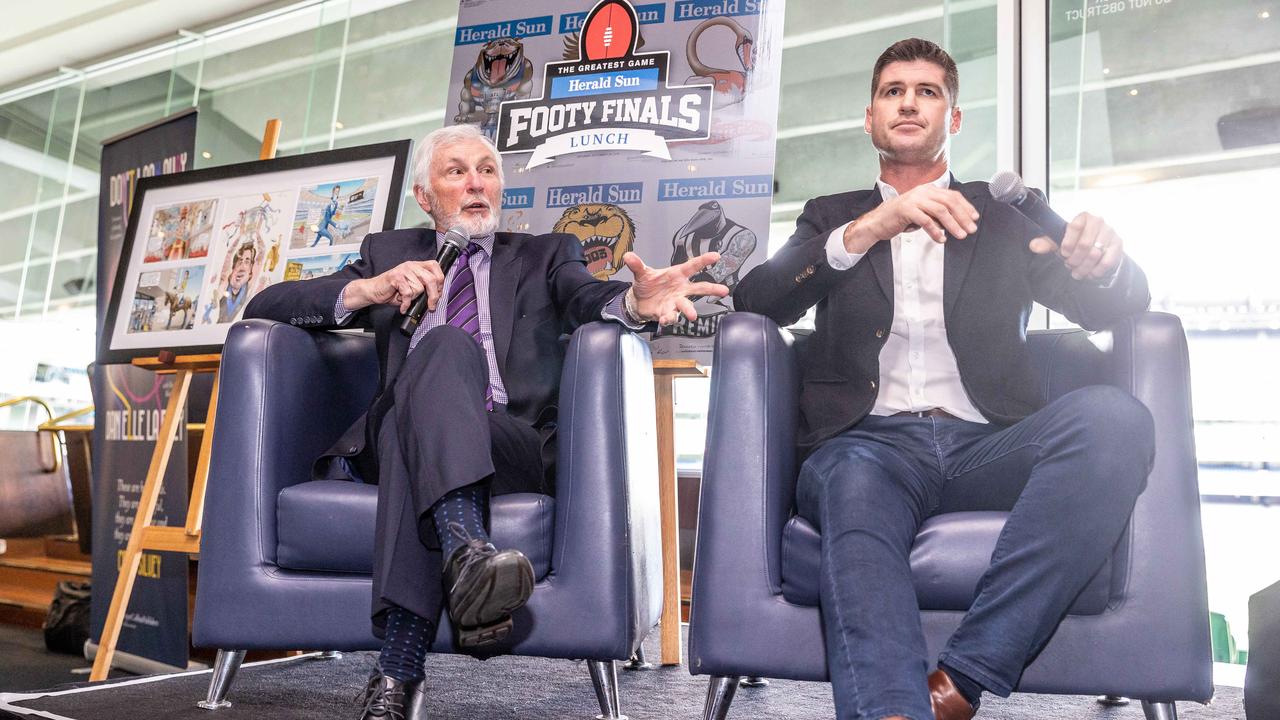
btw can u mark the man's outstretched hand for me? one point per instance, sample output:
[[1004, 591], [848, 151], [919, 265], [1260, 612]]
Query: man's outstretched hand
[[663, 294]]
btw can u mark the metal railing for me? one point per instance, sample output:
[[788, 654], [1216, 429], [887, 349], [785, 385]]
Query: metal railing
[[55, 440]]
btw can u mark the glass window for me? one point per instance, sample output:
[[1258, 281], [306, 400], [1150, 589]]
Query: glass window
[[1178, 150]]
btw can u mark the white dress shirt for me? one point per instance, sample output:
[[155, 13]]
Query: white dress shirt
[[917, 367]]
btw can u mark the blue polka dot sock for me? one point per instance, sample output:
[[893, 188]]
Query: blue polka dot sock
[[466, 507], [404, 649]]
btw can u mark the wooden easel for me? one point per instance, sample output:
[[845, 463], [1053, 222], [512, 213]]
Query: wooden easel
[[144, 535]]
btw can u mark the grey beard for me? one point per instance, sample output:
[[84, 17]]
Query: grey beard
[[474, 228]]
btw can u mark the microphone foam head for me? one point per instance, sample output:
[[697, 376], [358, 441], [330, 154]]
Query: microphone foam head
[[457, 235], [1007, 187]]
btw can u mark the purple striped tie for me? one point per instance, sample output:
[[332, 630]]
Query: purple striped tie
[[462, 310]]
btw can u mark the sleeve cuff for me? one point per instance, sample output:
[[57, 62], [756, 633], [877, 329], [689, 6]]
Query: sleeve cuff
[[616, 310], [837, 256], [341, 315]]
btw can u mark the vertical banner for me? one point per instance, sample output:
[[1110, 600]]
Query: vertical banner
[[647, 127], [129, 406]]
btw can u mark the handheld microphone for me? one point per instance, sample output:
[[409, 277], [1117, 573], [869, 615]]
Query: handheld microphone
[[1007, 187], [450, 246]]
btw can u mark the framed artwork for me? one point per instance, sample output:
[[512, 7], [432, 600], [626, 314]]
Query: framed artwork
[[200, 244]]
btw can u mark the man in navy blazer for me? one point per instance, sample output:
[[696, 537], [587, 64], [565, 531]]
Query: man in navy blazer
[[919, 397], [466, 405]]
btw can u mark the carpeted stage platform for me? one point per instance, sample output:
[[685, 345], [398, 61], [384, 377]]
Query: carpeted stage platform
[[506, 687]]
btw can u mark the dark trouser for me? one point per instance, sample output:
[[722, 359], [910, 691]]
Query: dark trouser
[[438, 437], [1069, 474]]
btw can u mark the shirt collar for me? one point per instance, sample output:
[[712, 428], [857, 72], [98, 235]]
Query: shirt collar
[[484, 241], [889, 192]]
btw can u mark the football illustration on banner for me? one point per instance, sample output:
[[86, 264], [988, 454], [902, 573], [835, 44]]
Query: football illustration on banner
[[730, 85], [606, 232], [572, 43], [501, 73]]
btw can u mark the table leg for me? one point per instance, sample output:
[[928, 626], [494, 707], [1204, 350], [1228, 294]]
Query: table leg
[[672, 645]]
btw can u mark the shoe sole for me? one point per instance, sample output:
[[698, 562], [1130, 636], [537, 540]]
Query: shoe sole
[[483, 616]]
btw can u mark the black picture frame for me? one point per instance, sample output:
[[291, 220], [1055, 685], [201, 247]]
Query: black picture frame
[[324, 166]]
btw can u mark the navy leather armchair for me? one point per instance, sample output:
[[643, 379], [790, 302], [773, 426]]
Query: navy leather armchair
[[1139, 630], [286, 561]]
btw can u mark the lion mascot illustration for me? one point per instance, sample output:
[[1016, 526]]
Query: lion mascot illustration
[[606, 232], [501, 73]]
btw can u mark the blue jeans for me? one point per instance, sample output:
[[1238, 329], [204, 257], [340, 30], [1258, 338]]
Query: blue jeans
[[1068, 474]]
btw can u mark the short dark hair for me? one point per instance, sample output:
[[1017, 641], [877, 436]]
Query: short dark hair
[[917, 49]]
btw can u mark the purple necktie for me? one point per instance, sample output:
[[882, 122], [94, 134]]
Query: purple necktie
[[462, 310]]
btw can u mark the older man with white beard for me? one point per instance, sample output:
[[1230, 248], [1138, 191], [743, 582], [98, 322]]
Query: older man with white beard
[[465, 407]]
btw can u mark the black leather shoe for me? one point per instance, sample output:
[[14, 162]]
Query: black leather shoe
[[386, 698], [484, 586]]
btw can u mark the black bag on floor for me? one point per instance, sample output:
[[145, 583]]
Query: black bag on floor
[[1262, 677], [66, 627]]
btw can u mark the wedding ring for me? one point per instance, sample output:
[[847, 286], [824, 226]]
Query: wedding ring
[[1098, 244]]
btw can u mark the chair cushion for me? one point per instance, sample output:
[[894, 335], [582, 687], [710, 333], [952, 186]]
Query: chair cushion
[[950, 554], [327, 526]]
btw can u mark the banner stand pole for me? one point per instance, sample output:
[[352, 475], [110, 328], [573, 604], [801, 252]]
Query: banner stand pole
[[143, 535]]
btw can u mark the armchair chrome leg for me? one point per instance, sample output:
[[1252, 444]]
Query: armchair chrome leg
[[225, 666], [1160, 710], [330, 655], [637, 661], [720, 690], [1113, 700], [604, 676], [753, 681]]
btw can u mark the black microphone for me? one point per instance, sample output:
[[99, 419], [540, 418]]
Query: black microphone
[[450, 246], [1007, 187]]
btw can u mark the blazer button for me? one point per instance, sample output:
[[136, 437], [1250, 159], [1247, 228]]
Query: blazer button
[[873, 384], [800, 278], [880, 333], [809, 271]]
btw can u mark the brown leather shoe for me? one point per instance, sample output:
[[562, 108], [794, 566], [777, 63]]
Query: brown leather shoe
[[947, 702]]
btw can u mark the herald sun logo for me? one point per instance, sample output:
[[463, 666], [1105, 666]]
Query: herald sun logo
[[610, 98]]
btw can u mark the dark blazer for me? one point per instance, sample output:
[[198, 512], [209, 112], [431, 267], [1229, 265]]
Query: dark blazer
[[539, 288], [990, 280]]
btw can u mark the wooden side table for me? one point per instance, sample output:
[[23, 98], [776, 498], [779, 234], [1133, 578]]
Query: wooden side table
[[664, 374]]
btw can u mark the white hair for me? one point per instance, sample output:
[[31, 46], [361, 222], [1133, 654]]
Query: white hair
[[444, 137]]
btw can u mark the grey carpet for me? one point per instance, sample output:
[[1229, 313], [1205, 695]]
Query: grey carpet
[[526, 688], [25, 663]]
